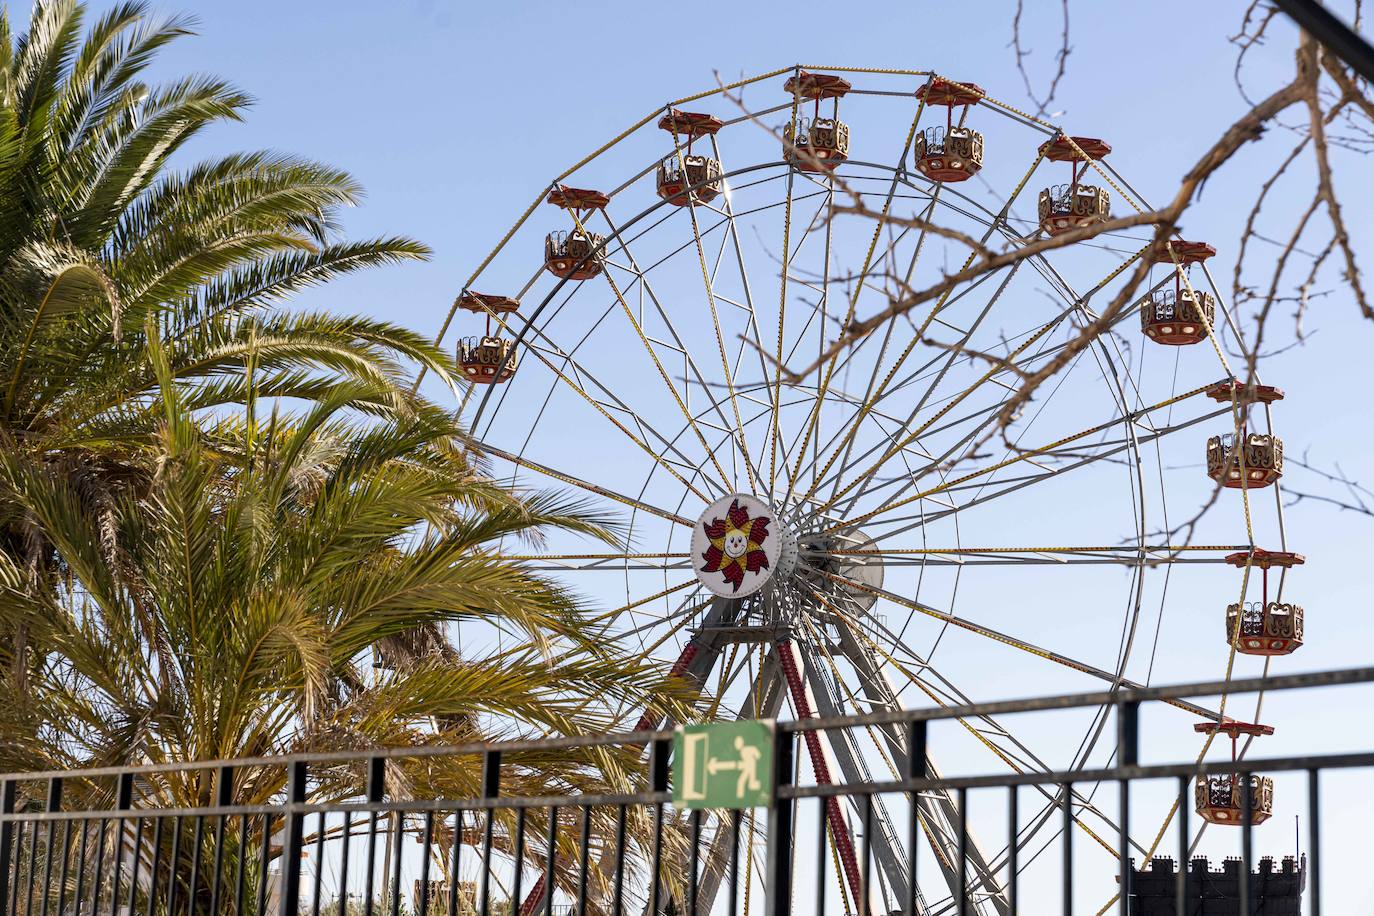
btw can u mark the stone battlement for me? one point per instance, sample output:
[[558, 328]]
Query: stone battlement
[[1275, 889]]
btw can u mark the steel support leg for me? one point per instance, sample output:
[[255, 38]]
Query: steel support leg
[[938, 809]]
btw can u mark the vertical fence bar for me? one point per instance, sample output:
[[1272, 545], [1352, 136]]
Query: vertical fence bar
[[779, 873], [295, 840], [264, 861], [865, 906], [99, 875], [320, 825], [133, 868], [396, 826], [455, 859], [693, 861], [80, 891], [916, 757], [8, 790], [193, 883], [552, 857], [618, 887], [124, 798], [1013, 848], [822, 859], [33, 869], [1068, 849], [152, 867], [1314, 842], [343, 863], [961, 853], [585, 862], [732, 903], [66, 865], [1181, 882], [376, 791], [428, 845], [1247, 817], [1127, 755], [491, 789], [517, 881], [18, 869], [241, 878], [660, 756], [224, 796], [54, 804]]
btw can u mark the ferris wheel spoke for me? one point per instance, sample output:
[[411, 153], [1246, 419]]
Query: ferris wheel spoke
[[1019, 756], [860, 649], [811, 425], [726, 479], [879, 518], [732, 232], [989, 415], [868, 397], [868, 405], [820, 312], [1121, 554], [621, 563], [640, 602], [1004, 639], [863, 480], [997, 221], [1029, 454], [616, 404], [791, 276], [548, 353], [562, 477], [876, 484], [727, 374], [938, 814], [775, 434]]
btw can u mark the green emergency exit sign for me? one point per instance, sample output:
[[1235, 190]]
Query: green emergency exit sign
[[723, 765]]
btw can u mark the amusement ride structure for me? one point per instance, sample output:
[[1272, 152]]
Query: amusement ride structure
[[807, 527]]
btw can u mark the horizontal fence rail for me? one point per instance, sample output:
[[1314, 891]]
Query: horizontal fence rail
[[479, 830]]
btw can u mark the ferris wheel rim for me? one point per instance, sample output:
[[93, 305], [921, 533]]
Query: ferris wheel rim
[[899, 173]]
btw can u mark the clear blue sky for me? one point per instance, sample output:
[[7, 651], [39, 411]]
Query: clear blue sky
[[455, 115]]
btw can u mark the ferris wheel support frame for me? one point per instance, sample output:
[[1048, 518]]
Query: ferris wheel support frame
[[938, 809]]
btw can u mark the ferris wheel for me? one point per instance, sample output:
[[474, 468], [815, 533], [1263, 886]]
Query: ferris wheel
[[820, 527]]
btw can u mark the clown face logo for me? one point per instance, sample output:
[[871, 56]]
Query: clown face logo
[[737, 542], [734, 549]]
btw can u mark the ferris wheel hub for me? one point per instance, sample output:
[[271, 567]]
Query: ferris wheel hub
[[740, 545]]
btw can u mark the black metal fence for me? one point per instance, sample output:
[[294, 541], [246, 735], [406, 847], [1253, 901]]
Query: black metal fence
[[383, 833]]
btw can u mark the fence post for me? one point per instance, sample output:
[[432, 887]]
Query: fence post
[[779, 880], [294, 845], [660, 763], [491, 789], [1128, 734], [376, 791], [7, 795], [917, 768], [1127, 755]]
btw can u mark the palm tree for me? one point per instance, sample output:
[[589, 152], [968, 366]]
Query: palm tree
[[101, 244], [186, 576], [233, 606]]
